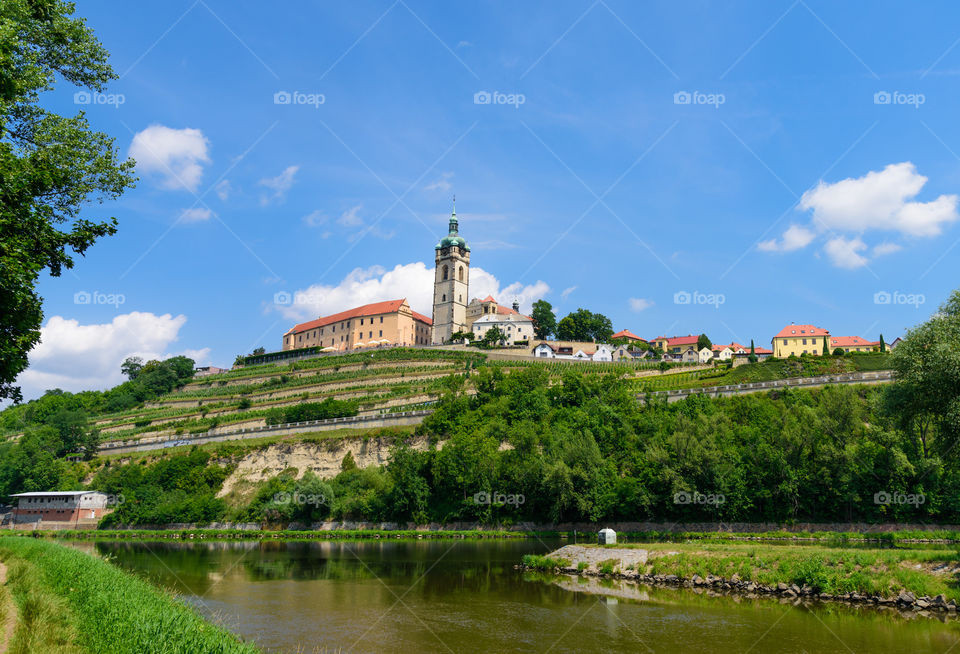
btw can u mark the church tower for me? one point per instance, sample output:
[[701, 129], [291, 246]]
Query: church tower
[[451, 283]]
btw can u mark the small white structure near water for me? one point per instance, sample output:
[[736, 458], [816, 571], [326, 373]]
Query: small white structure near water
[[607, 536]]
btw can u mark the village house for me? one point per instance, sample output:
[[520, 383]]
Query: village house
[[573, 350], [514, 327], [799, 339], [853, 344], [676, 344]]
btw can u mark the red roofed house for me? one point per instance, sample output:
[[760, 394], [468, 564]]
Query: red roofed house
[[488, 306], [628, 335], [799, 339], [382, 323], [853, 344], [676, 344]]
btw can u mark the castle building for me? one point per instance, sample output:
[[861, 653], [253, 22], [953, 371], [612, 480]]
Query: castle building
[[451, 283], [372, 325]]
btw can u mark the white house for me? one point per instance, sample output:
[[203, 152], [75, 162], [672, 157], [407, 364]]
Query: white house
[[705, 354], [690, 356], [559, 351], [515, 327], [603, 353]]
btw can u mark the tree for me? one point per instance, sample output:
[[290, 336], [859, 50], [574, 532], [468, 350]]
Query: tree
[[567, 329], [584, 325], [753, 350], [257, 352], [838, 352], [131, 367], [493, 337], [703, 342], [883, 346], [925, 396], [51, 166], [239, 360], [544, 320], [826, 347]]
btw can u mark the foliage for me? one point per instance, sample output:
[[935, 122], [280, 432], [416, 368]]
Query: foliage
[[178, 488], [584, 325], [51, 166], [329, 408], [493, 337], [544, 319], [703, 342]]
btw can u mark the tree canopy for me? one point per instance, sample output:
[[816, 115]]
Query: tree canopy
[[51, 166], [584, 325], [544, 320]]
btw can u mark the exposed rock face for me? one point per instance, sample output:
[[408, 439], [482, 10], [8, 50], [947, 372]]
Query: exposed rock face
[[323, 458]]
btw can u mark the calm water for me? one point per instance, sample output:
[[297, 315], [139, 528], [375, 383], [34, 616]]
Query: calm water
[[457, 596]]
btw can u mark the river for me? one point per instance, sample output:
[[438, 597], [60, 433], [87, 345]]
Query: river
[[465, 596]]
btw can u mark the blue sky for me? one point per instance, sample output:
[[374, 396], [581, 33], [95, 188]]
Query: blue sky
[[811, 177]]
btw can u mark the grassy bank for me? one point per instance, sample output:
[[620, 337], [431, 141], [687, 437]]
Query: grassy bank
[[68, 601], [287, 534], [831, 570]]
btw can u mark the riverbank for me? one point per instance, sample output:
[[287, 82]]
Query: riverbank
[[885, 538], [912, 579], [66, 601]]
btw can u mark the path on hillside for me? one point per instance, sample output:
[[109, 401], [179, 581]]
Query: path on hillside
[[406, 418]]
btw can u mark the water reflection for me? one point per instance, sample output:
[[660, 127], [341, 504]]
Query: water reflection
[[414, 596]]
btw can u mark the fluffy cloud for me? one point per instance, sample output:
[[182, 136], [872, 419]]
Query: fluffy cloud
[[845, 253], [351, 217], [795, 238], [77, 357], [195, 215], [279, 185], [175, 155], [880, 201], [413, 281], [566, 292], [639, 304]]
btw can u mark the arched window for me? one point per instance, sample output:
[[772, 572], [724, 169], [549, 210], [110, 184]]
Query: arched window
[[445, 275], [461, 273]]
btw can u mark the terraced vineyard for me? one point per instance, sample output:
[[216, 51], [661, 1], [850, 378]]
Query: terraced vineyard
[[366, 383]]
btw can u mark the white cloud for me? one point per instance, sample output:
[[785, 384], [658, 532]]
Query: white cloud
[[196, 215], [176, 155], [639, 304], [795, 238], [279, 185], [413, 281], [77, 357], [442, 184], [224, 189], [315, 218], [880, 200], [566, 292], [886, 248], [351, 217], [845, 253]]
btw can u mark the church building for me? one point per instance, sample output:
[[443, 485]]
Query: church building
[[451, 284]]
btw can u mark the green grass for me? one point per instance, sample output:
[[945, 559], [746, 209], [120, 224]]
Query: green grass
[[883, 572], [68, 601], [541, 562]]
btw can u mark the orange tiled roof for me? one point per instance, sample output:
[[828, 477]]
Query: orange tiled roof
[[421, 317], [851, 341], [626, 333], [390, 306], [802, 330]]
